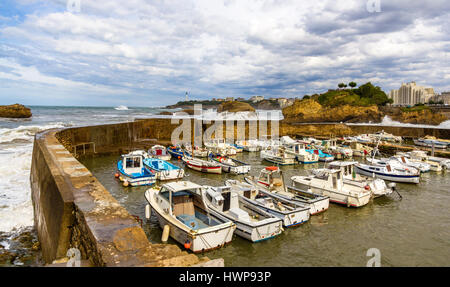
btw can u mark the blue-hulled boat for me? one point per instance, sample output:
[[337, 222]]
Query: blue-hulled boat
[[163, 170], [322, 156], [132, 172], [176, 152]]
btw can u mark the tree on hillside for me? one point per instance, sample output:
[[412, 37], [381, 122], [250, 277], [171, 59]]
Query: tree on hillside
[[352, 84], [306, 97], [341, 85]]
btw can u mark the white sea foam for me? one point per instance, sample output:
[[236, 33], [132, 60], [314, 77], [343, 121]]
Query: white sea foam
[[122, 108], [16, 209], [387, 121]]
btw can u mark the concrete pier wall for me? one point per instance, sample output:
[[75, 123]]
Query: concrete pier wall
[[73, 209]]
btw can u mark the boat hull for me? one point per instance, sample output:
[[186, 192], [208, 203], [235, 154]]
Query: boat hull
[[200, 241], [335, 196], [395, 178]]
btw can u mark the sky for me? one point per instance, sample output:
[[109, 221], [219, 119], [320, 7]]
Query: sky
[[149, 53]]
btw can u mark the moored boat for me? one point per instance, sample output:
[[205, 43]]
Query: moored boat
[[160, 152], [162, 169], [300, 153], [330, 182], [230, 165], [131, 170], [271, 180], [249, 145], [277, 155], [322, 155], [387, 172], [176, 152], [290, 212], [219, 146], [252, 223], [376, 185], [181, 207], [202, 165]]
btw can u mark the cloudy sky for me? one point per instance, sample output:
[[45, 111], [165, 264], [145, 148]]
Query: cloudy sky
[[148, 53]]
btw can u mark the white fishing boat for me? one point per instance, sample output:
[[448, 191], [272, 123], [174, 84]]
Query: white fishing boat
[[249, 145], [202, 165], [159, 152], [394, 163], [290, 212], [219, 146], [422, 166], [384, 136], [376, 185], [271, 180], [330, 182], [264, 142], [387, 172], [163, 170], [252, 223], [181, 207], [195, 151], [277, 155], [392, 171], [298, 150], [360, 150], [229, 164], [431, 143], [131, 170], [364, 138], [339, 152], [421, 156]]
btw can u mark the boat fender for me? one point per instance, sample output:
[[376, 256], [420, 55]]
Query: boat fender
[[367, 187], [187, 244], [116, 175], [148, 211], [165, 234], [126, 183]]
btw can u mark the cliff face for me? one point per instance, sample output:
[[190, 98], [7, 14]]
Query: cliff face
[[310, 111], [15, 111], [426, 117]]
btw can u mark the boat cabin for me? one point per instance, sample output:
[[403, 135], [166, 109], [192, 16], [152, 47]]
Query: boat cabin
[[224, 200], [346, 167], [132, 164], [295, 147], [271, 177], [333, 177]]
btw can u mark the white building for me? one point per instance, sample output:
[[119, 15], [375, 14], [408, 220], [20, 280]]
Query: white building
[[256, 99], [410, 94]]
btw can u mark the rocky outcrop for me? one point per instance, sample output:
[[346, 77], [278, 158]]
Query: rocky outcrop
[[310, 111], [425, 116], [234, 107], [15, 111]]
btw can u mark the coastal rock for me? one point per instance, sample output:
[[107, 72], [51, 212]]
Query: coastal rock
[[310, 111], [426, 117], [15, 111], [234, 107]]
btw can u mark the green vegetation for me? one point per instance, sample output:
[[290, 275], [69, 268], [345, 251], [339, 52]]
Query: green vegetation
[[365, 95], [415, 108]]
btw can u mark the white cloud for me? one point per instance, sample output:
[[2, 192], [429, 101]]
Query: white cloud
[[146, 48]]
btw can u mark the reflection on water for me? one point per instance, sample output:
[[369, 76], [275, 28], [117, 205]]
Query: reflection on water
[[412, 232]]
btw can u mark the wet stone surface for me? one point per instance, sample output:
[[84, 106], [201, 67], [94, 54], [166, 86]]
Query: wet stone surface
[[20, 247]]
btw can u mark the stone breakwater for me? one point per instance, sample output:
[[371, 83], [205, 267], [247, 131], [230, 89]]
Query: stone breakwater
[[73, 209]]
